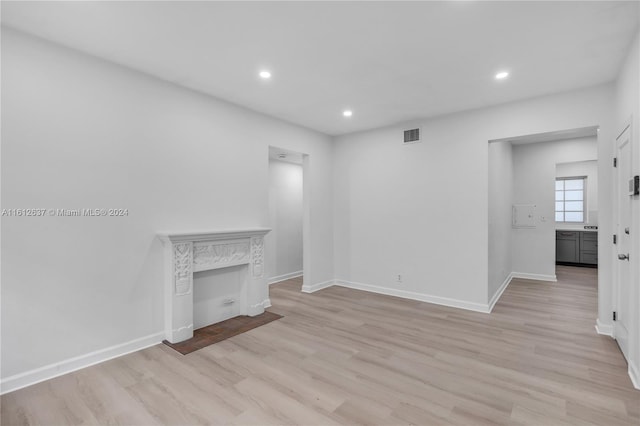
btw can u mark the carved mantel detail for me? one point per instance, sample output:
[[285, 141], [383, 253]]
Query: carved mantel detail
[[257, 255], [183, 268], [194, 252], [208, 255]]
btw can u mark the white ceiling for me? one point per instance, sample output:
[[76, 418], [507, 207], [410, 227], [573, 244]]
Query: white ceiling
[[389, 62]]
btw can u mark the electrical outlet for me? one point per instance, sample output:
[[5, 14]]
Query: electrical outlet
[[399, 278]]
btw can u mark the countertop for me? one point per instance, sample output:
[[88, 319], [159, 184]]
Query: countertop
[[576, 229]]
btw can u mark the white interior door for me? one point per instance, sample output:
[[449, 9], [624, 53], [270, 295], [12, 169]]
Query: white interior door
[[624, 232]]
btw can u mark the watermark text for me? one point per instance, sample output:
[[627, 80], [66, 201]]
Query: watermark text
[[84, 212]]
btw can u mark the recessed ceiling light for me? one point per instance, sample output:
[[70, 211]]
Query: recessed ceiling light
[[265, 74], [502, 75], [347, 113]]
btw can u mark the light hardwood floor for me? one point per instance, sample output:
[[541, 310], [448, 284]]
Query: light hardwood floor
[[341, 356]]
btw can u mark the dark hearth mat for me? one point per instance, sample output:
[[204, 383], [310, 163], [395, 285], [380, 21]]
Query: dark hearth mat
[[218, 332]]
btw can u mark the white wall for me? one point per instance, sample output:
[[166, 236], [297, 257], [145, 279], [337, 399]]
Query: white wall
[[285, 219], [590, 170], [627, 109], [500, 201], [534, 167], [78, 132], [422, 210]]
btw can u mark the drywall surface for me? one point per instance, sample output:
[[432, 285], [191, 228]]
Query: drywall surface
[[534, 167], [500, 201], [285, 220], [628, 112], [78, 132], [589, 169], [421, 210]]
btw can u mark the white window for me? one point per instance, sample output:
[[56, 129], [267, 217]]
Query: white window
[[570, 199]]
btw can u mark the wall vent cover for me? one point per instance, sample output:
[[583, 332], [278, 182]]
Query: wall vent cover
[[412, 135]]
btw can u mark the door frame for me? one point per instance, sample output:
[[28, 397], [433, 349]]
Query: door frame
[[306, 210]]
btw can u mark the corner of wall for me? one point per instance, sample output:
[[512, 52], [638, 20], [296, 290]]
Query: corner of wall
[[312, 288], [496, 296], [634, 375], [604, 328]]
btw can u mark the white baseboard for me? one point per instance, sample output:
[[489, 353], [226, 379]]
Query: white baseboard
[[50, 371], [318, 286], [445, 301], [634, 374], [498, 294], [605, 329], [538, 277], [284, 277]]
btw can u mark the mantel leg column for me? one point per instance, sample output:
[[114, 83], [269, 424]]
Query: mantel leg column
[[256, 281], [179, 303]]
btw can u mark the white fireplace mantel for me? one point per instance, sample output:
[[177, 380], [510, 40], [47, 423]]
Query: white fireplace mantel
[[186, 253]]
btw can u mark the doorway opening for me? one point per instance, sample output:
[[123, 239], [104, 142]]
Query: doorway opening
[[288, 242], [576, 213], [543, 203]]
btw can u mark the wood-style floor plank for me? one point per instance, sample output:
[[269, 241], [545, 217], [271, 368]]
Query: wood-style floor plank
[[341, 356]]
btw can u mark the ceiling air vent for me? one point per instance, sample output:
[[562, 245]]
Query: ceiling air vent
[[412, 135]]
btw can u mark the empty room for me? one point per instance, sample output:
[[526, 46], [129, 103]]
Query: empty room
[[317, 213]]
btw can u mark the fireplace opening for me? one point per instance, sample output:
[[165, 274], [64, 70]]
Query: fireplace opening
[[217, 294]]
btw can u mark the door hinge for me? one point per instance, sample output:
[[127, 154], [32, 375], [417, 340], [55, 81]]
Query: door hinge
[[615, 239], [615, 316], [615, 162]]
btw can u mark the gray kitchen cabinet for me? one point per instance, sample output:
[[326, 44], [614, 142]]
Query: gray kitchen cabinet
[[589, 248], [579, 247], [567, 246]]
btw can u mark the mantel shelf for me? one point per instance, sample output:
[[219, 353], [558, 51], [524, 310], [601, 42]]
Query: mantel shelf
[[212, 235]]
